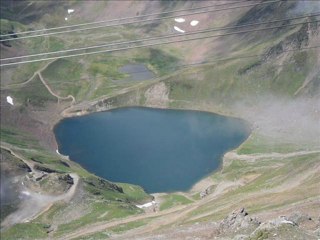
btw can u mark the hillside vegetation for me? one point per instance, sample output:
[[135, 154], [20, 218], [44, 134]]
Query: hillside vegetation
[[270, 78]]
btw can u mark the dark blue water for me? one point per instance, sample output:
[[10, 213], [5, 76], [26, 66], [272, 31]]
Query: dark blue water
[[160, 150]]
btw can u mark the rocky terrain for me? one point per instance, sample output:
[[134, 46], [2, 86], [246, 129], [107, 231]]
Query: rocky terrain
[[268, 188]]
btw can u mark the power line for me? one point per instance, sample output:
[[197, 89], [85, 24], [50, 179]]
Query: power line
[[177, 67], [118, 19], [153, 44], [159, 37], [133, 22]]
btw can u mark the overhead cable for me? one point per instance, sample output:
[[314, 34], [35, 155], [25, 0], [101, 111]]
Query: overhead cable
[[152, 44], [133, 22], [158, 37], [117, 19]]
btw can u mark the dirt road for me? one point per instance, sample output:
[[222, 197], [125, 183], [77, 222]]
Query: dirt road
[[34, 203], [38, 72], [174, 214]]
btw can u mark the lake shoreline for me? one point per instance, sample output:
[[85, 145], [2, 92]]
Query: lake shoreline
[[82, 109], [221, 159]]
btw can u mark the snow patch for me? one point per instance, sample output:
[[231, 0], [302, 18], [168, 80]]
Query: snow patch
[[25, 193], [66, 18], [57, 151], [287, 222], [10, 100], [194, 23], [178, 29], [180, 20], [146, 205]]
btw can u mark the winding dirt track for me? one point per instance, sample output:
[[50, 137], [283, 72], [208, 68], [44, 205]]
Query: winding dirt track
[[254, 157], [35, 203], [171, 216], [38, 72], [54, 94]]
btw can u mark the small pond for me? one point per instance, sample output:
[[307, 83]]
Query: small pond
[[136, 72]]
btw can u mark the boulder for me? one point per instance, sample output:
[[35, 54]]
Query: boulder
[[237, 221]]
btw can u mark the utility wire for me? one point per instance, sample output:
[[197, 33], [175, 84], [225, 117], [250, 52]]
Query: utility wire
[[153, 44], [118, 19], [133, 22], [159, 37], [182, 66]]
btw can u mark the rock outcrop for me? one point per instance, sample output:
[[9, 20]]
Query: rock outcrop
[[238, 221]]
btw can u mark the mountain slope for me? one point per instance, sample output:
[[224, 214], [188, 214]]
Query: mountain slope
[[277, 91]]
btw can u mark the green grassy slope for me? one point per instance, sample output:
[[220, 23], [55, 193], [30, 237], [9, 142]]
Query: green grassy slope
[[235, 87]]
